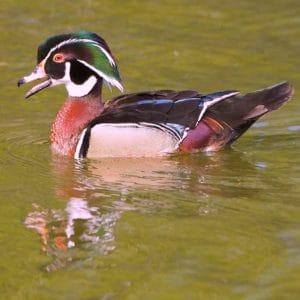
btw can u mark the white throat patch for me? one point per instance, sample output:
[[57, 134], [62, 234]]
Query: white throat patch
[[75, 90]]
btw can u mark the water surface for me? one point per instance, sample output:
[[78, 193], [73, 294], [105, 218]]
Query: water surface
[[204, 226]]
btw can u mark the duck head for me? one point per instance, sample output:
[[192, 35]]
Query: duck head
[[78, 60]]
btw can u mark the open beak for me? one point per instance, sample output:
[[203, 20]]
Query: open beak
[[38, 73]]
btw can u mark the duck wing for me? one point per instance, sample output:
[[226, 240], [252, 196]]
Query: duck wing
[[160, 107]]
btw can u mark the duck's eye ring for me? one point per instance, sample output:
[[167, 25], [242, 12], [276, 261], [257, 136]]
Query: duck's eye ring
[[58, 58]]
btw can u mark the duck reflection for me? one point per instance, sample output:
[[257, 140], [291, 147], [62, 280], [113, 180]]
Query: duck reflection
[[99, 192], [80, 226]]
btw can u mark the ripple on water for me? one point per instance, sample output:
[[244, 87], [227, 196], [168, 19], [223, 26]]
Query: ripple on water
[[260, 124], [294, 128], [23, 152]]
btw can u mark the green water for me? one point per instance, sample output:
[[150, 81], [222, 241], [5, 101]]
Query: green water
[[219, 226]]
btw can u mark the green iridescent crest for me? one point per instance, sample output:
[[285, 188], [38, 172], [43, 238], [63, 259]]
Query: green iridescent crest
[[102, 62]]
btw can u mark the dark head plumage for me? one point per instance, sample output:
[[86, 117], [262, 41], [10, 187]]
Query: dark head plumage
[[76, 59], [55, 40]]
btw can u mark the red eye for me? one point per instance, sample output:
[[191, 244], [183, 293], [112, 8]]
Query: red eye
[[59, 58]]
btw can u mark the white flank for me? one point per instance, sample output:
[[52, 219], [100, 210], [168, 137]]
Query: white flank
[[128, 140]]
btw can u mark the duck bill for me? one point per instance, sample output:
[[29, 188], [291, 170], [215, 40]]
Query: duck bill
[[38, 73]]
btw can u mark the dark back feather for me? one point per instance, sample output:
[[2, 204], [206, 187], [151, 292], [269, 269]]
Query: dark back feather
[[151, 95], [162, 106]]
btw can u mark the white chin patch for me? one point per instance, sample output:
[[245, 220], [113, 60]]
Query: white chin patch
[[80, 90], [75, 90]]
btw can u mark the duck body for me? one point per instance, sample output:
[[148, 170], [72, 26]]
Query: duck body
[[150, 123]]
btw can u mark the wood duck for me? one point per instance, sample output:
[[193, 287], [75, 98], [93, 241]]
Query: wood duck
[[144, 124]]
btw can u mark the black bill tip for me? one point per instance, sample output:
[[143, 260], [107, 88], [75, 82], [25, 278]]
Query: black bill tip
[[21, 81]]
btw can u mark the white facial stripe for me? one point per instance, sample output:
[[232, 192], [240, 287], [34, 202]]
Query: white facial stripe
[[73, 41], [108, 79]]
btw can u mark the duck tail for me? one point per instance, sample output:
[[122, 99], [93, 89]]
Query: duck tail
[[236, 114]]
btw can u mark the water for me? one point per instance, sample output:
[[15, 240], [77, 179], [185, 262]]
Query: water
[[218, 226]]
